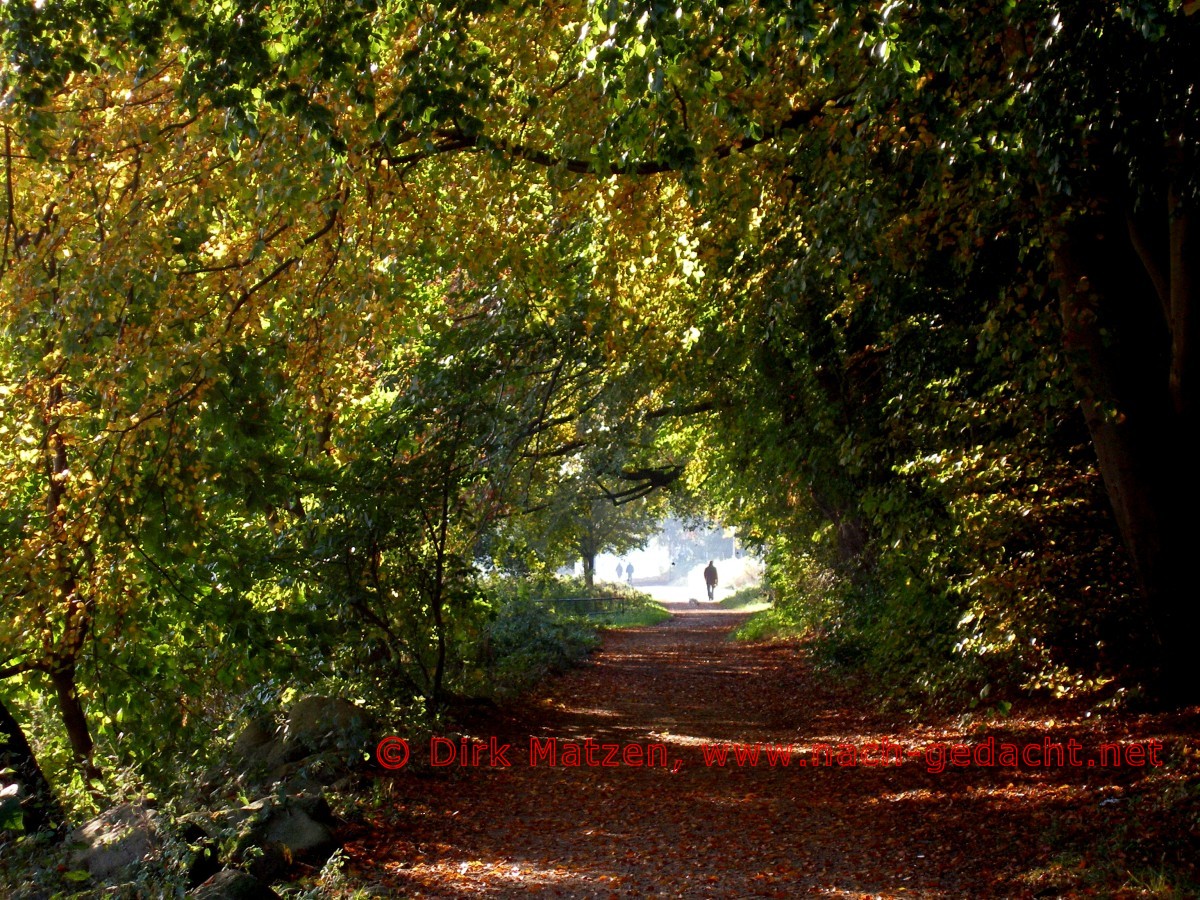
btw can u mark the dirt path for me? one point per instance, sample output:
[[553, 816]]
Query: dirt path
[[694, 830]]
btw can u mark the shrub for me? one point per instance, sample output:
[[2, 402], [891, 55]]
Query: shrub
[[526, 642]]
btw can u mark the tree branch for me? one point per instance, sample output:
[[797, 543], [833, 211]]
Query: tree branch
[[650, 480], [1151, 264], [20, 669], [673, 412], [285, 265], [10, 216], [454, 139]]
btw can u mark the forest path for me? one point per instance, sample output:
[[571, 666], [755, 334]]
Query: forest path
[[694, 830]]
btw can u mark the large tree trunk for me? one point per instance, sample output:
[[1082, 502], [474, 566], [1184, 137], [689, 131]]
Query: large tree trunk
[[70, 707], [77, 619], [39, 807], [851, 534], [1126, 295]]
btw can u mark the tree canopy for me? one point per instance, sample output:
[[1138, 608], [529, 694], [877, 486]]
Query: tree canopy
[[305, 305]]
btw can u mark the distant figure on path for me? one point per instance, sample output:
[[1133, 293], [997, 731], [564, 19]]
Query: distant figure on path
[[620, 571], [629, 573], [710, 578]]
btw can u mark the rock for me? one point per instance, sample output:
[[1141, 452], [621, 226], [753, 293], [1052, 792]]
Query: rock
[[116, 839], [257, 732], [300, 834], [323, 725], [11, 817], [295, 829], [304, 825], [230, 884], [256, 747], [322, 739], [206, 862]]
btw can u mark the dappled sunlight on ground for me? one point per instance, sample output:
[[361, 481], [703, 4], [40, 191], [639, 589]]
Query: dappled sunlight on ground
[[695, 828]]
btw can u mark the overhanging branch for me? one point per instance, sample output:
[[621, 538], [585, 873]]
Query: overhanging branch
[[646, 480], [454, 139], [679, 412]]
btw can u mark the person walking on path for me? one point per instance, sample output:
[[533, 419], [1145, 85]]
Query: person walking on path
[[710, 578]]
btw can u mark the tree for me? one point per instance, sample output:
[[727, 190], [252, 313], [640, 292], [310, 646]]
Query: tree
[[1123, 256], [580, 524], [154, 387], [1063, 129], [39, 807]]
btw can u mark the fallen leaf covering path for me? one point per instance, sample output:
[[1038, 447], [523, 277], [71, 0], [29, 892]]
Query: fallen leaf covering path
[[691, 829]]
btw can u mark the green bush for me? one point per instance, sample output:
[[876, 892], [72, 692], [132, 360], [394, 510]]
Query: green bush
[[639, 613], [748, 599], [526, 641]]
